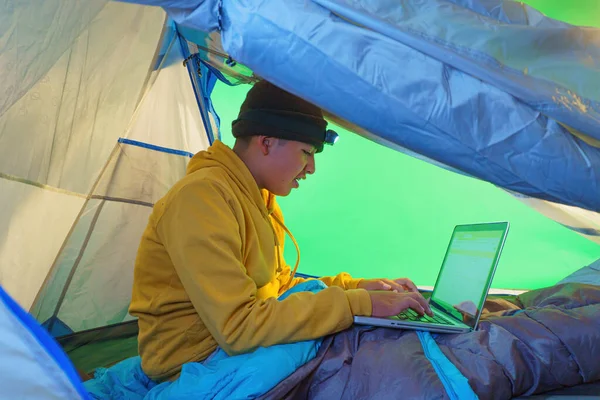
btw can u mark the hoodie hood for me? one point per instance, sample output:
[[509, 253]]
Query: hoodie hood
[[221, 156]]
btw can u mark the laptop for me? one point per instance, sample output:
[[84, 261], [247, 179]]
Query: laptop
[[462, 284]]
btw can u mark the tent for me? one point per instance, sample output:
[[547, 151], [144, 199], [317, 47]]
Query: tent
[[105, 103]]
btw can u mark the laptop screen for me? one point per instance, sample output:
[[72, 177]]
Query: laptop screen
[[468, 270]]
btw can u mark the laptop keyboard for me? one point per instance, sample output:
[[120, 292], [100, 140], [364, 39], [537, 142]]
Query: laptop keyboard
[[411, 315]]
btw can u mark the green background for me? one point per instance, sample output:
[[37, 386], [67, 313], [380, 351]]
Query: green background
[[375, 212]]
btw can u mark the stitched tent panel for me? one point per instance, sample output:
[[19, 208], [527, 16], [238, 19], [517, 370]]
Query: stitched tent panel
[[89, 285]]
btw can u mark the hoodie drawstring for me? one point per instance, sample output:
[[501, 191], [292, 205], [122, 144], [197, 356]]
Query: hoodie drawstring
[[295, 244]]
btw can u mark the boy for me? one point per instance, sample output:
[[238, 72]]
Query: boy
[[210, 264]]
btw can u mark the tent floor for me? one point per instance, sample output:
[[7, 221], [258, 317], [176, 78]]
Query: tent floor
[[101, 347]]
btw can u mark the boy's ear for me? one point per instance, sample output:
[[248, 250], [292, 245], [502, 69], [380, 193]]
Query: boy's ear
[[264, 143]]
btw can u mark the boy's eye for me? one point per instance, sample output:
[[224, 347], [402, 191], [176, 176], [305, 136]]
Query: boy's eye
[[306, 152]]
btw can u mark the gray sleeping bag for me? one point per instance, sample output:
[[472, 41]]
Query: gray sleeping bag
[[543, 340]]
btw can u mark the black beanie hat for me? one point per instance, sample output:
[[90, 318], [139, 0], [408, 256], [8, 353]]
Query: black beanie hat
[[271, 111]]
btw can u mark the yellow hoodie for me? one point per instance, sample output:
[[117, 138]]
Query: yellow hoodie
[[209, 269]]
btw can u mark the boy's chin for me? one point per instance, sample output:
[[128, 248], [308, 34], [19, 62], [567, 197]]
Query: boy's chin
[[281, 192]]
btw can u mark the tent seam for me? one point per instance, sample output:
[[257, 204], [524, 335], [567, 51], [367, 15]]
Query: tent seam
[[39, 185]]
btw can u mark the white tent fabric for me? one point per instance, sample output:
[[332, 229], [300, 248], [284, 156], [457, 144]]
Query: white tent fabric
[[67, 173], [64, 128], [26, 251], [584, 222], [32, 42]]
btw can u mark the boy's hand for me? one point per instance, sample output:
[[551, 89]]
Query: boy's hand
[[399, 285], [387, 304]]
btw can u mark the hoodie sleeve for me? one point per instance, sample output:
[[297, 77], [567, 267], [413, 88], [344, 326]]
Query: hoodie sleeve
[[201, 234], [342, 280]]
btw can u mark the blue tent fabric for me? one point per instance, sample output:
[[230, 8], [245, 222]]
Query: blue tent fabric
[[405, 97], [56, 327], [33, 365], [169, 53], [219, 377], [505, 125], [521, 55]]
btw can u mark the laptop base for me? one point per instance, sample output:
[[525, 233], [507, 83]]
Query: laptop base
[[401, 324]]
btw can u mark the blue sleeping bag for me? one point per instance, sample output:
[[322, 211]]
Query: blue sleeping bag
[[244, 376]]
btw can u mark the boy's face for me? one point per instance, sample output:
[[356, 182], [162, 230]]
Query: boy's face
[[288, 162]]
